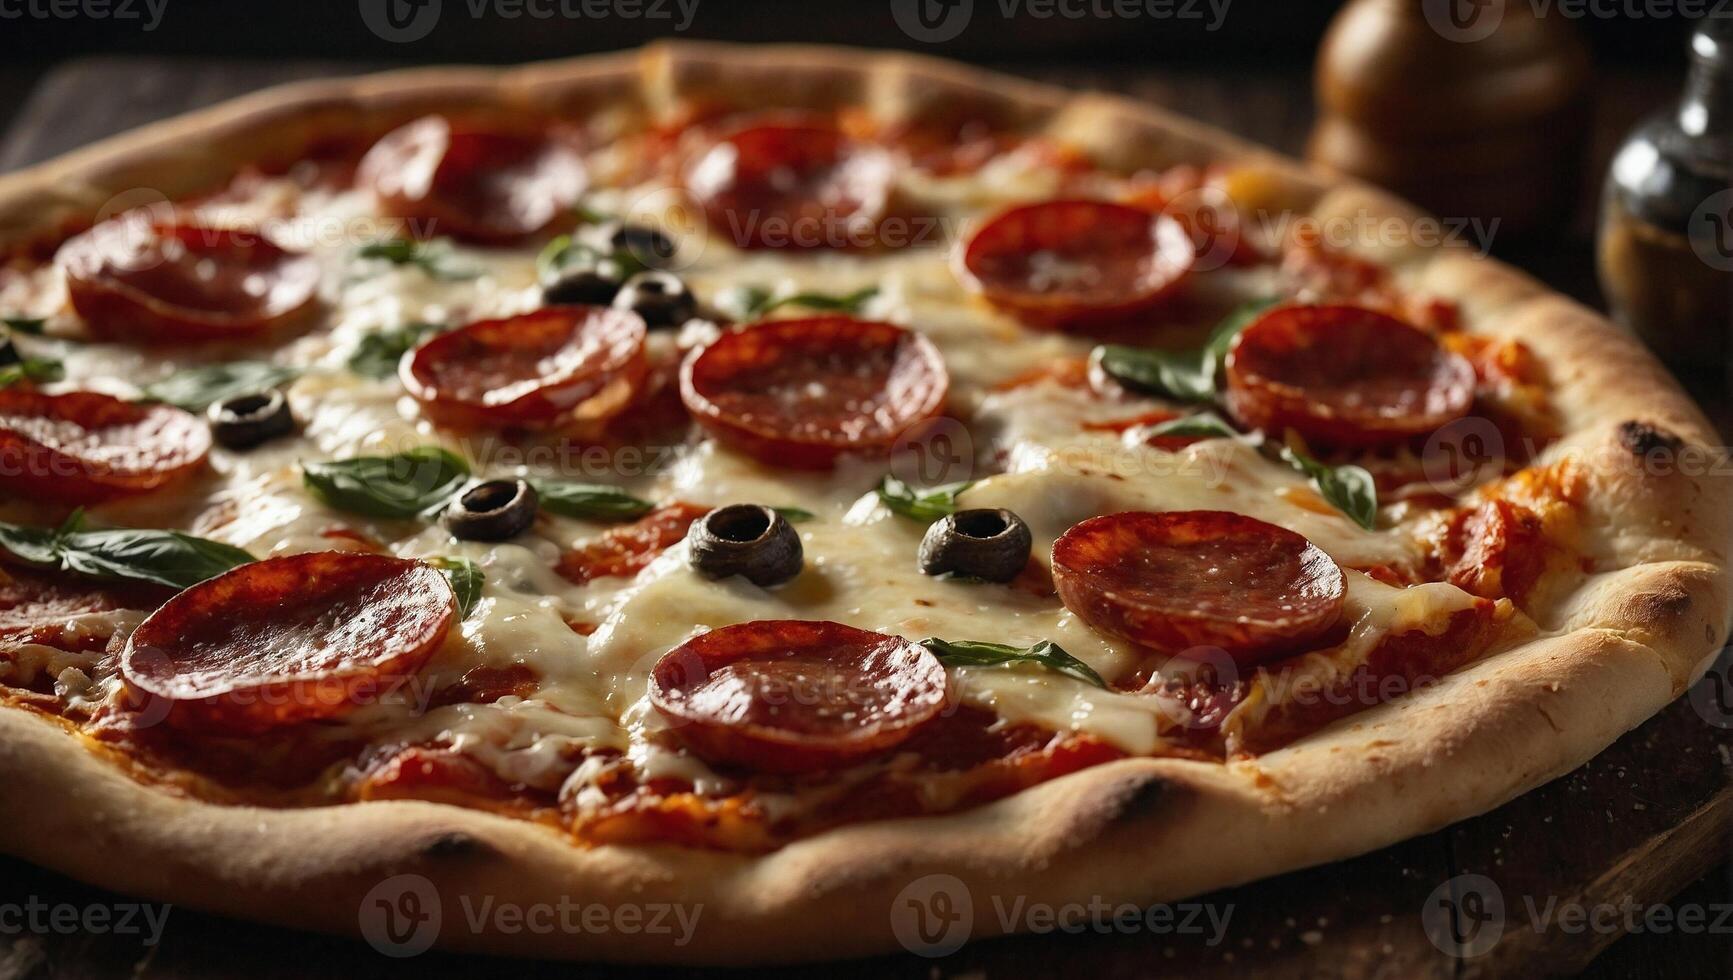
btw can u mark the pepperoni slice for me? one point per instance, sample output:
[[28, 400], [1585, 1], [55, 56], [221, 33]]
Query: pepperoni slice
[[656, 416], [630, 548], [1495, 550], [1076, 263], [485, 684], [801, 393], [48, 610], [791, 181], [948, 150], [1208, 214], [141, 280], [1200, 578], [1344, 376], [83, 447], [489, 186], [794, 695], [562, 366], [432, 773], [289, 639]]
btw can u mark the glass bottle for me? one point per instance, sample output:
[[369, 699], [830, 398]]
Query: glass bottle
[[1666, 233]]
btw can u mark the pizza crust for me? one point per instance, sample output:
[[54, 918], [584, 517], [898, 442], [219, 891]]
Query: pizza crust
[[1619, 648]]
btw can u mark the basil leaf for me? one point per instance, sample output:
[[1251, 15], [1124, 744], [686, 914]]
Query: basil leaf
[[397, 251], [564, 251], [1180, 375], [196, 389], [1188, 376], [845, 303], [31, 369], [432, 257], [560, 252], [590, 501], [754, 302], [743, 302], [1202, 425], [922, 505], [140, 554], [25, 324], [972, 653], [1350, 489], [165, 557], [402, 487], [378, 354], [32, 545], [794, 515], [466, 578]]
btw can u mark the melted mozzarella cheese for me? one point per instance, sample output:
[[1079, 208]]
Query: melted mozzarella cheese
[[1375, 611], [1034, 458]]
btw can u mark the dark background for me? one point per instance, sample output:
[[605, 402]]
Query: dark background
[[1249, 72], [1261, 31], [1260, 34]]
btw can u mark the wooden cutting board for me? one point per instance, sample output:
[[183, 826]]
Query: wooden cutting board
[[1649, 817]]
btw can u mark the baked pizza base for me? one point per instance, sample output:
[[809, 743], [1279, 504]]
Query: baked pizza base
[[1631, 638]]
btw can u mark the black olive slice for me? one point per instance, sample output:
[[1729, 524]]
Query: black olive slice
[[492, 511], [659, 297], [649, 246], [745, 539], [585, 282], [985, 543], [245, 421]]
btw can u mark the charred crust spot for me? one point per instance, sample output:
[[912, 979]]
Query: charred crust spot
[[453, 844], [1138, 799], [1641, 439], [1661, 607]]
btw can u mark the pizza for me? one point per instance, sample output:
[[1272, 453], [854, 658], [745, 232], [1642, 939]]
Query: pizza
[[754, 479]]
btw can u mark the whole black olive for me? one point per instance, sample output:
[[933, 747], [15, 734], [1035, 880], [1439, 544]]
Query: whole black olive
[[650, 246], [659, 297], [492, 511], [586, 281], [745, 539], [245, 421], [986, 543]]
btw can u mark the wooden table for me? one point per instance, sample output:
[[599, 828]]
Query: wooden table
[[1644, 822]]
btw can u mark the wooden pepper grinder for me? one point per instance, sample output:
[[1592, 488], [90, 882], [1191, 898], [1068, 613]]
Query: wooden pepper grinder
[[1472, 108]]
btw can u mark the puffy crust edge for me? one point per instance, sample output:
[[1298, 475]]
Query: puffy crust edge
[[1143, 830]]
